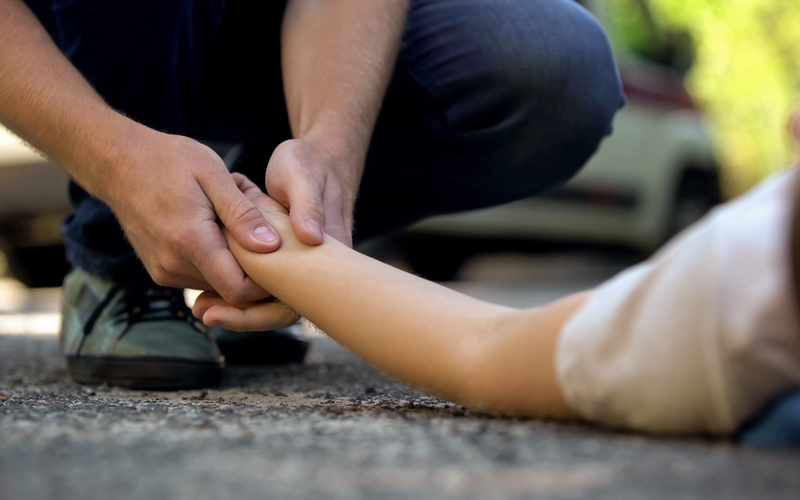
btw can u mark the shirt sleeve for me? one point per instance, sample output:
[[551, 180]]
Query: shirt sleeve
[[699, 337]]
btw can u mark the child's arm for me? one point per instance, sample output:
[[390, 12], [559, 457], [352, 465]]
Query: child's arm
[[483, 355]]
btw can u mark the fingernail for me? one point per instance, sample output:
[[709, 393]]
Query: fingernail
[[264, 233], [315, 228]]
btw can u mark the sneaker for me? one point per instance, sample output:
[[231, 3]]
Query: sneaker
[[142, 337], [275, 347]]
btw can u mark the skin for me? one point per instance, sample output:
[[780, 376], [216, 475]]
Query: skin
[[168, 191], [483, 355], [487, 357], [335, 73]]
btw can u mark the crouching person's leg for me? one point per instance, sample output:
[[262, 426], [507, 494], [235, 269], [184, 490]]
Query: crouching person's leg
[[118, 326], [491, 101]]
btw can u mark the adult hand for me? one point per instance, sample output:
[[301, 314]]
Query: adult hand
[[318, 188], [167, 197], [261, 315], [165, 190]]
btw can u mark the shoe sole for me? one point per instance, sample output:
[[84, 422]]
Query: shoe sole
[[263, 349], [157, 373]]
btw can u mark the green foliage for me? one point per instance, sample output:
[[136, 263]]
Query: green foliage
[[746, 71]]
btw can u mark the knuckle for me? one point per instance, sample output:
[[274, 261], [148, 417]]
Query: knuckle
[[161, 276], [239, 178], [186, 245], [177, 259], [169, 266], [158, 277], [243, 212]]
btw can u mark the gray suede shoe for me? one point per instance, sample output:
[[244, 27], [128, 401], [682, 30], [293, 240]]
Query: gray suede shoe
[[144, 338]]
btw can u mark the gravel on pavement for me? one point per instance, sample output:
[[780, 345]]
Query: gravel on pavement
[[333, 428]]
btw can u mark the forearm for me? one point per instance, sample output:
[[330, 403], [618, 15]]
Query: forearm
[[395, 321], [338, 56], [46, 101], [483, 355]]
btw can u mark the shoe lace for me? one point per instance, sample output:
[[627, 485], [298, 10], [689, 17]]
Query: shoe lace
[[157, 304], [139, 304], [142, 305]]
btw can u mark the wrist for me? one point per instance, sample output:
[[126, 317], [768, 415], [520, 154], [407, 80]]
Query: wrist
[[332, 136], [109, 144], [343, 152]]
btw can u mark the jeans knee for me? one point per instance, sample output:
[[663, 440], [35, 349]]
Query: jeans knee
[[587, 86], [548, 60], [559, 89], [570, 78]]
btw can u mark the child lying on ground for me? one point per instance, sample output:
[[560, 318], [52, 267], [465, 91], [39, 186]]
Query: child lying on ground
[[695, 340]]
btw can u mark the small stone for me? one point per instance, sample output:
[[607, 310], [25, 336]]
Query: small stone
[[200, 396]]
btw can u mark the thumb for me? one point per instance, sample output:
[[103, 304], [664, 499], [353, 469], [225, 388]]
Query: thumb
[[307, 215], [241, 217]]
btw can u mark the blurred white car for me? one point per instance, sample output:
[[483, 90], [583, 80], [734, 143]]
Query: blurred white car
[[654, 176]]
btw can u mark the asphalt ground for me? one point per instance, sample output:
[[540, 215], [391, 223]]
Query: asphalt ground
[[336, 428]]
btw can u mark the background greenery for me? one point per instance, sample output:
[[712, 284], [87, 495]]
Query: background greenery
[[745, 71]]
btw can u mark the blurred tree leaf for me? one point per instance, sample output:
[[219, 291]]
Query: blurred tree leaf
[[745, 70]]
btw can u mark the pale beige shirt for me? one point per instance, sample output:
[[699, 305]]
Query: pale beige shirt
[[700, 336]]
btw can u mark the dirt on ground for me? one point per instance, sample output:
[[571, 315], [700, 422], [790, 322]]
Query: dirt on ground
[[331, 428]]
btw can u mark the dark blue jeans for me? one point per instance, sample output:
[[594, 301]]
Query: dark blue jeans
[[491, 100]]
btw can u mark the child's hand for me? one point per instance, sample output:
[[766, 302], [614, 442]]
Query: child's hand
[[268, 314], [269, 207]]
